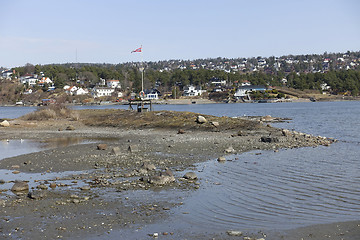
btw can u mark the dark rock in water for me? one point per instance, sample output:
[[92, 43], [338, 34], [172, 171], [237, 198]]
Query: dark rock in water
[[2, 181], [164, 178], [190, 175], [20, 187], [102, 146], [133, 148], [52, 185], [70, 128], [116, 151], [269, 139], [37, 194]]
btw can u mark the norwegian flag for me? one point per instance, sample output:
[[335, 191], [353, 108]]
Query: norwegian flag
[[137, 50]]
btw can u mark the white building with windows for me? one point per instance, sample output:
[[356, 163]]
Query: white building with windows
[[191, 91], [102, 91], [113, 84]]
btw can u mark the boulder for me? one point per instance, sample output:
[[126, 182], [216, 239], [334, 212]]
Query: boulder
[[230, 150], [201, 119], [102, 146], [20, 187], [115, 151], [162, 179], [37, 194], [181, 131], [70, 128], [190, 175], [148, 166], [267, 118], [133, 148], [215, 124], [5, 124], [269, 139]]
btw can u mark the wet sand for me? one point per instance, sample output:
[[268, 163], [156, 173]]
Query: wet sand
[[113, 192]]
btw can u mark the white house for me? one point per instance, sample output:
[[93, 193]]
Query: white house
[[244, 91], [113, 84], [81, 91], [45, 80], [152, 94], [102, 91], [72, 90], [6, 74], [192, 91], [29, 79]]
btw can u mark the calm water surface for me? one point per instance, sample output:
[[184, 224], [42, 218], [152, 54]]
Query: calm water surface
[[277, 190]]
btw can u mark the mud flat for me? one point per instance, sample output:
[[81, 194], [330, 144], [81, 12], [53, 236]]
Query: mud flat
[[133, 176]]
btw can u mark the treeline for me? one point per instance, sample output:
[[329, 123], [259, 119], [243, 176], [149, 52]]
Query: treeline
[[88, 75]]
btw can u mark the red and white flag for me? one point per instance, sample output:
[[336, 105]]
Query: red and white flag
[[137, 50]]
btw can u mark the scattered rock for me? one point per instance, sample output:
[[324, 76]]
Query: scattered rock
[[215, 124], [162, 179], [42, 186], [234, 233], [201, 119], [286, 132], [115, 151], [181, 131], [16, 172], [70, 128], [267, 118], [20, 187], [102, 146], [2, 181], [133, 148], [5, 124], [269, 139], [221, 159], [86, 187], [37, 194], [190, 175], [148, 166], [230, 150], [52, 185], [15, 166]]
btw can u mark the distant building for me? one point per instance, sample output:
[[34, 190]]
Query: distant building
[[30, 79], [113, 84], [191, 91], [244, 91], [152, 94], [102, 91]]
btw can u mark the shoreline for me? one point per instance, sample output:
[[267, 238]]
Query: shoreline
[[114, 179], [198, 101]]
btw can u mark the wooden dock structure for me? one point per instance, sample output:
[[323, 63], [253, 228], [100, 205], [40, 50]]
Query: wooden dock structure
[[141, 105]]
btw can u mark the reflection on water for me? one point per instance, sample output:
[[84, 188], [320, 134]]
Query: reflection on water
[[282, 190]]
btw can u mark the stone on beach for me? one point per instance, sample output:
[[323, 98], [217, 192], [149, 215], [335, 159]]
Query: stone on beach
[[133, 148], [201, 119], [102, 146], [115, 151], [20, 187], [190, 175], [5, 123]]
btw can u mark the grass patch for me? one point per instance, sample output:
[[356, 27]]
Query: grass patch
[[52, 112]]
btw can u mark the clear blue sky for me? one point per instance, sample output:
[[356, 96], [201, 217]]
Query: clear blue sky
[[106, 31]]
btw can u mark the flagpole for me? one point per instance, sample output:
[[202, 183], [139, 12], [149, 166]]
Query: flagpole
[[142, 71]]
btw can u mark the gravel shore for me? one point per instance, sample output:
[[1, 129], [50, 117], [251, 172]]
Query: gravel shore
[[124, 178]]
